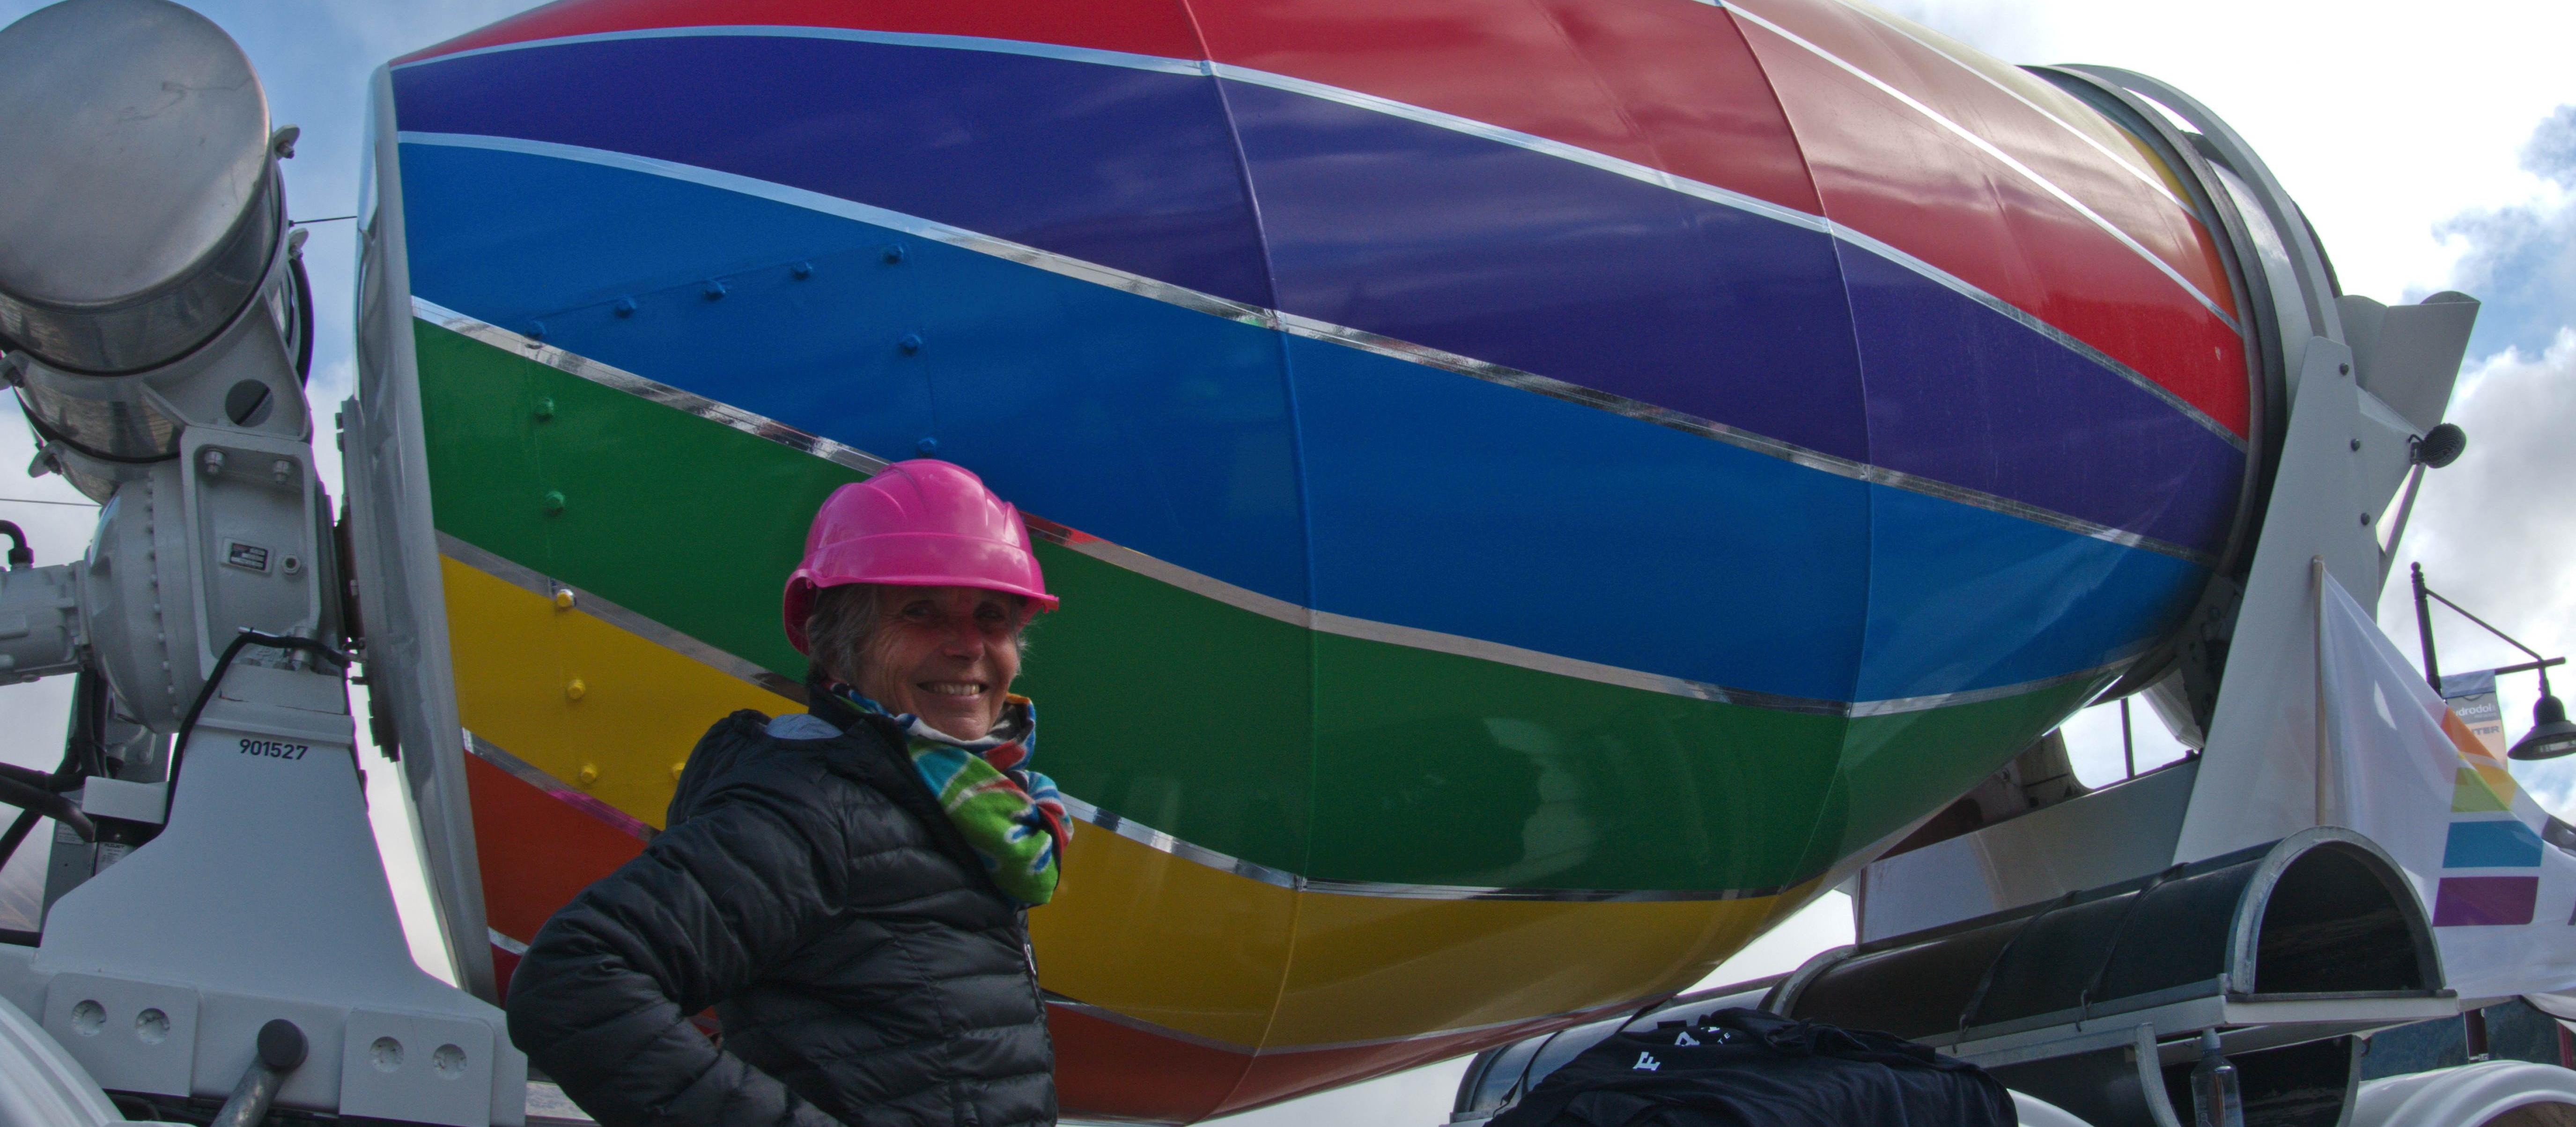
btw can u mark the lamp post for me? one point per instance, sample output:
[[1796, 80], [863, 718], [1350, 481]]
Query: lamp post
[[2551, 735]]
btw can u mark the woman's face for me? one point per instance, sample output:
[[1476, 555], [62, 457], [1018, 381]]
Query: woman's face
[[944, 654]]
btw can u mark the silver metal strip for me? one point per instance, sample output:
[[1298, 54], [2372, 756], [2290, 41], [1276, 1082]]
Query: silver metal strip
[[1113, 1017], [1281, 610], [610, 376], [1741, 439], [506, 943], [558, 789], [2006, 159], [530, 580], [2064, 339], [1209, 586], [1898, 706], [1471, 127], [1161, 842], [1895, 24], [1294, 324]]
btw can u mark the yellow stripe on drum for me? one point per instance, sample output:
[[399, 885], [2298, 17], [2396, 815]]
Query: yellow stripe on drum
[[1164, 940], [1369, 968], [580, 699], [1196, 950]]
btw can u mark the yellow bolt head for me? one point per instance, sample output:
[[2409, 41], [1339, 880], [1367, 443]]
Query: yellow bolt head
[[676, 768], [563, 598], [574, 689], [589, 774]]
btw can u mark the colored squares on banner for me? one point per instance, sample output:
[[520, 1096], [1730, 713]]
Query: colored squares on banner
[[2472, 795], [2485, 901], [2497, 778], [2504, 844]]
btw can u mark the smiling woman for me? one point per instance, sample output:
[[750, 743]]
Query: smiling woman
[[846, 887], [945, 654]]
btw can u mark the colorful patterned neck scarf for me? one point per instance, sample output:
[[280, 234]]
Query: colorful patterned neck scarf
[[1012, 817]]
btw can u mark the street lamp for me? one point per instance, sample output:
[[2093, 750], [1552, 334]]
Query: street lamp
[[2551, 735]]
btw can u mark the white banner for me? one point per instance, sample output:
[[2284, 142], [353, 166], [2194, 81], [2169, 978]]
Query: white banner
[[2410, 774]]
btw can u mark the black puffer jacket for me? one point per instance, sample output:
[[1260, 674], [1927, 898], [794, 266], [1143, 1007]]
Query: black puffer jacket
[[865, 969]]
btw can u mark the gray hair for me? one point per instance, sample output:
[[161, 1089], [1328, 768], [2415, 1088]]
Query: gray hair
[[844, 622], [841, 623]]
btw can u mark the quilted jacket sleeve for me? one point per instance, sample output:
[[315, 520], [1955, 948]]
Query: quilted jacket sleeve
[[602, 999]]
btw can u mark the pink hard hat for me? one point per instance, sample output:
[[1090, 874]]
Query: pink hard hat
[[922, 523]]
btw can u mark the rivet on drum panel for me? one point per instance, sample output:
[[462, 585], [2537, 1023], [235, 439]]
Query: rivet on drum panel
[[589, 774], [574, 689], [552, 502], [625, 307], [911, 343], [564, 598]]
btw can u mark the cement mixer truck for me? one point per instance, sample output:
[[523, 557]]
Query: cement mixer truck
[[1540, 494]]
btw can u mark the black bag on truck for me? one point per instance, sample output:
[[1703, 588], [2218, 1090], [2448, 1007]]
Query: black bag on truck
[[1747, 1068]]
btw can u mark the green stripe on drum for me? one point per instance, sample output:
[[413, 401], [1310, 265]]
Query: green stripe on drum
[[1334, 757], [1174, 706]]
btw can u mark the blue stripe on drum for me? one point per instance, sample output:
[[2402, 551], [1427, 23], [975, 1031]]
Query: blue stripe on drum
[[1436, 501], [1396, 227]]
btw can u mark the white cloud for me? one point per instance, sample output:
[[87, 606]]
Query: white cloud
[[2383, 121], [2521, 258]]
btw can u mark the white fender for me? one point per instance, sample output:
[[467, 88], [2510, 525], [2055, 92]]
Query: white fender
[[40, 1085], [2467, 1096]]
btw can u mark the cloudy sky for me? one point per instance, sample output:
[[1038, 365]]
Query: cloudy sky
[[2434, 148]]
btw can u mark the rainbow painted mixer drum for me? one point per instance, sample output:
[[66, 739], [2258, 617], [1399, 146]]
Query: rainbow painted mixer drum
[[1537, 486]]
